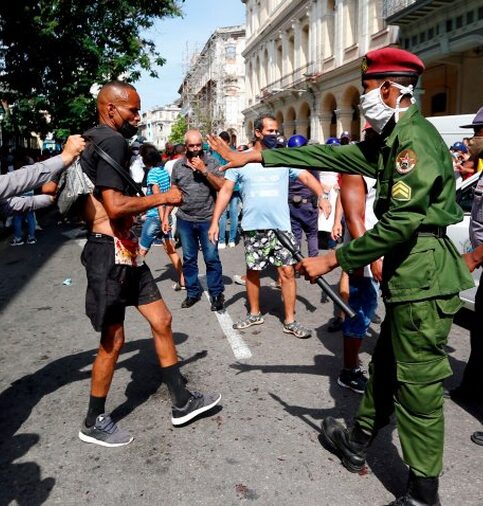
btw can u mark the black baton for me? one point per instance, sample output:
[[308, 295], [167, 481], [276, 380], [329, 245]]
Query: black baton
[[286, 243]]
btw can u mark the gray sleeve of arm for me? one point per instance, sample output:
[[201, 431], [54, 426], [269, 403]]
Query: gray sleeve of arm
[[30, 177], [24, 204]]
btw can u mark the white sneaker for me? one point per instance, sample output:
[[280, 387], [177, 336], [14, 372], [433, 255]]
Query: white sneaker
[[231, 244], [239, 280], [221, 245]]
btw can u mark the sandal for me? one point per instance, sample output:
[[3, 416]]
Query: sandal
[[251, 319], [297, 330]]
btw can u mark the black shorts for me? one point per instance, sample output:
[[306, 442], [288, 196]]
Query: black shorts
[[112, 287]]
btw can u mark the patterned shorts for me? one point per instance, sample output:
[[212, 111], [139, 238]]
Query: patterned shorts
[[262, 248]]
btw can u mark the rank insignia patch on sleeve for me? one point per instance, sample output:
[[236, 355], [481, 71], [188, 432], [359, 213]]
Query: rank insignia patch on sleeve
[[401, 191], [406, 161]]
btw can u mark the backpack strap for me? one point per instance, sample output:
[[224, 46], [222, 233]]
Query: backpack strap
[[117, 167]]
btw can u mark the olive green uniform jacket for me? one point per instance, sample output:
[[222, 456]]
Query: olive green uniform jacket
[[422, 275], [415, 188]]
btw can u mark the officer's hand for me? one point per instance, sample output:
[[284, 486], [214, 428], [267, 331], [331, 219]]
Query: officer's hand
[[234, 158], [376, 269], [72, 149], [313, 267], [213, 233], [173, 197]]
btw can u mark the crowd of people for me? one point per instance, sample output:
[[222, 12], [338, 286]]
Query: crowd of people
[[395, 192]]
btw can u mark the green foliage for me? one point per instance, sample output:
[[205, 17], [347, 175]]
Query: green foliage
[[178, 130], [53, 51]]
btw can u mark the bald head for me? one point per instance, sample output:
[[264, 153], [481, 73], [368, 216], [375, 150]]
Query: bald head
[[114, 92], [117, 103]]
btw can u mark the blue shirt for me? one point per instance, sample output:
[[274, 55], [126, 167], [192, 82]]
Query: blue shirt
[[264, 193], [158, 176]]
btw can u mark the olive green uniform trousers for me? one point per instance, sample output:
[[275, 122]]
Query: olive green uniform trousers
[[406, 373]]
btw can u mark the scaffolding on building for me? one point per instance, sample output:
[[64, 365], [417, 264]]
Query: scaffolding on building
[[206, 80]]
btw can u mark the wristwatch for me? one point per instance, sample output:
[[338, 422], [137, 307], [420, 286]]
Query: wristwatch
[[323, 196], [204, 173]]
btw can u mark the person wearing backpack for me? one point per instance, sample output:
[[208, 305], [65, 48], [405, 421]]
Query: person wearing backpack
[[117, 276]]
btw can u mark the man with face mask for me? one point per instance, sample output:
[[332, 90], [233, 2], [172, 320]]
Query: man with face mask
[[197, 176], [422, 272], [264, 193], [116, 277]]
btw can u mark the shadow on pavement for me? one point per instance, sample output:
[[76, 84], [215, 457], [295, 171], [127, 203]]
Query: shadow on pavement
[[21, 482]]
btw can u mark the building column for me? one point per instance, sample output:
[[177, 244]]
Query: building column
[[272, 56], [325, 119], [297, 43], [344, 119], [285, 57], [339, 32], [315, 127]]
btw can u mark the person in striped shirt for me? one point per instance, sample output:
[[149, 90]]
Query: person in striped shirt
[[158, 181]]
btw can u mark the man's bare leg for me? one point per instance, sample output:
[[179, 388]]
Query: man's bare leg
[[186, 405], [253, 291], [175, 259], [289, 291], [112, 341], [159, 318]]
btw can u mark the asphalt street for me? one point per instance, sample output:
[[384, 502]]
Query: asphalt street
[[260, 446]]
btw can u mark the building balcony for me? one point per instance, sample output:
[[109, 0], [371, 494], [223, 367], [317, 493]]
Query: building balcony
[[405, 12], [290, 81]]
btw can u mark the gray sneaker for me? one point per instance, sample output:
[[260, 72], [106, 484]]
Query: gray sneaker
[[105, 432], [198, 403]]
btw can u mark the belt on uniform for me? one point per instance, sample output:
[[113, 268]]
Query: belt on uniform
[[432, 230]]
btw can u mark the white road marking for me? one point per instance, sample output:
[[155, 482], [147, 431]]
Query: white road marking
[[238, 345]]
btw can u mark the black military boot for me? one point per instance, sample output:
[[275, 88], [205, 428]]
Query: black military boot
[[420, 492], [349, 446]]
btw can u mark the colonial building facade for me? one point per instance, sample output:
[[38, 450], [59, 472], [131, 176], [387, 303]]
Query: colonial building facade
[[156, 124], [213, 89], [303, 58], [448, 36]]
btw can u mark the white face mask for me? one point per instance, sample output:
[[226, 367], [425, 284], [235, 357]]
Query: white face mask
[[376, 112]]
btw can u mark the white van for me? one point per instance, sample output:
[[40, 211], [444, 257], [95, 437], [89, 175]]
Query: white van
[[460, 235], [449, 127]]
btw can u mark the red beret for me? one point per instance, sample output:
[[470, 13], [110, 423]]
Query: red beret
[[390, 61]]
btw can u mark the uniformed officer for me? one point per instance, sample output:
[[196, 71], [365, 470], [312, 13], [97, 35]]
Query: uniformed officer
[[422, 273]]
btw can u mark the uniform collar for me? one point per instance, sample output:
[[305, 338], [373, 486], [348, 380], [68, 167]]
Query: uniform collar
[[403, 120]]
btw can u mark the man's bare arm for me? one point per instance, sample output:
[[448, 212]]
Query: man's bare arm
[[224, 196], [118, 205], [353, 198]]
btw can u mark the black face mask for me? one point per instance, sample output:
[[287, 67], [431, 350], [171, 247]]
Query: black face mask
[[127, 130], [194, 154]]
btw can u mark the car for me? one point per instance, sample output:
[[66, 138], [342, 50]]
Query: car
[[459, 233]]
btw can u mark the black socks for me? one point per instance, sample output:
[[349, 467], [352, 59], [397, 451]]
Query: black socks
[[97, 406], [176, 385]]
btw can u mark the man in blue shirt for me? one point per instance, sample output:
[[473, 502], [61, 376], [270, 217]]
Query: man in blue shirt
[[264, 193]]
